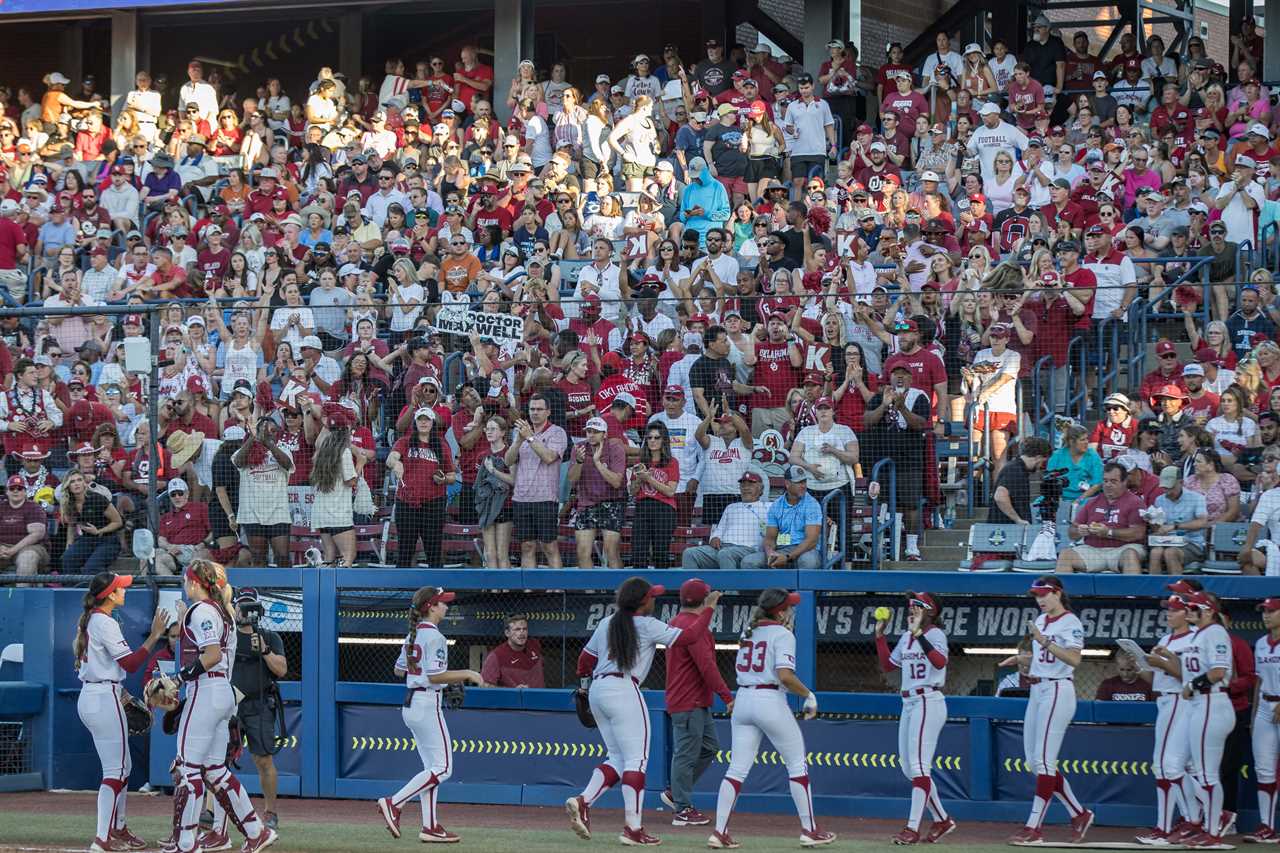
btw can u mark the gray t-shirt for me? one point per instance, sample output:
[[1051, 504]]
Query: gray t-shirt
[[328, 307], [729, 160]]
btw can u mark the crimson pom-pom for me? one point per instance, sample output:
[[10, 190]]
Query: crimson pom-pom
[[819, 219], [264, 399]]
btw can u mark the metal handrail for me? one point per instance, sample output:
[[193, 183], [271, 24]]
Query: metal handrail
[[983, 462], [875, 508], [1270, 231], [1137, 325], [1109, 368], [1043, 416], [835, 559], [1078, 351]]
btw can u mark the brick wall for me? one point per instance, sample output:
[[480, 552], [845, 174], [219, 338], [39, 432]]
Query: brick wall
[[1216, 42], [884, 21]]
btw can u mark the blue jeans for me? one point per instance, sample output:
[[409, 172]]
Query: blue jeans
[[89, 555]]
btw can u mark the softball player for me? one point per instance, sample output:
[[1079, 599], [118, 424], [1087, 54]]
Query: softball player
[[1205, 672], [618, 657], [1169, 756], [1266, 722], [424, 665], [766, 671], [207, 649], [102, 658], [1057, 640], [921, 655]]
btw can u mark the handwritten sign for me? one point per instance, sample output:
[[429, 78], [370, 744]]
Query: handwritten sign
[[460, 320], [846, 242], [636, 246]]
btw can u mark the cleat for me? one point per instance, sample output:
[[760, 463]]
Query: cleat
[[939, 830], [1080, 825], [816, 837], [438, 835], [690, 817], [1262, 835], [212, 841], [668, 800], [391, 815], [906, 836], [722, 841], [100, 846], [1154, 837], [579, 817], [1204, 840], [1227, 824], [265, 839], [1184, 830], [1027, 835], [131, 841], [638, 838]]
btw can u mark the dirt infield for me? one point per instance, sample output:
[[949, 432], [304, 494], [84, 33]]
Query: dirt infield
[[346, 813]]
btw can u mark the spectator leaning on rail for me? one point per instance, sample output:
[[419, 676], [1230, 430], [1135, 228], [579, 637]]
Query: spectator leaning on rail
[[692, 679], [518, 661], [737, 534], [793, 528]]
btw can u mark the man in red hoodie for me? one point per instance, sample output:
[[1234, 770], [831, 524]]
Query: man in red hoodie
[[692, 678]]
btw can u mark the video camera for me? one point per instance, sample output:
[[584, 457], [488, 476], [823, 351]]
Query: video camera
[[249, 608], [1052, 485]]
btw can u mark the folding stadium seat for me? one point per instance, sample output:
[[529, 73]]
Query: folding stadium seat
[[1224, 545], [1000, 545]]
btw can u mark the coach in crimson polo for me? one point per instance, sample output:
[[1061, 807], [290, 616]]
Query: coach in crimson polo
[[692, 678], [518, 661]]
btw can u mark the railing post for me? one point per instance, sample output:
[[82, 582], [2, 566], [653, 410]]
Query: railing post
[[319, 737], [876, 527], [837, 557]]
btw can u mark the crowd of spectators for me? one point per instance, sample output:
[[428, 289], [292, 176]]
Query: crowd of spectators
[[729, 277]]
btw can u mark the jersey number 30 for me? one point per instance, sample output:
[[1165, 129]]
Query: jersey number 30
[[751, 656]]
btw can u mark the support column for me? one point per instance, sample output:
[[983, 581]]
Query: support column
[[125, 57], [512, 42], [351, 45], [855, 29], [1271, 46], [71, 55], [817, 32]]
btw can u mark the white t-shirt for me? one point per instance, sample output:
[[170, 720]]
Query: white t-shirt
[[1002, 70], [723, 466], [1008, 364], [1240, 220], [917, 669], [684, 447], [987, 142], [1067, 632], [428, 656], [536, 130], [264, 492], [1266, 657], [770, 647], [106, 646], [402, 320], [1267, 513], [1236, 433], [649, 631], [834, 473], [726, 267], [280, 322]]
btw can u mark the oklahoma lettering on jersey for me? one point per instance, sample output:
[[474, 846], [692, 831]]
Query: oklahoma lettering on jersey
[[1066, 631], [1161, 681], [774, 371], [917, 670], [1266, 656], [770, 647]]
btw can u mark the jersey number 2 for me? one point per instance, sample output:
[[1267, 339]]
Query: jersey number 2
[[751, 656], [413, 659]]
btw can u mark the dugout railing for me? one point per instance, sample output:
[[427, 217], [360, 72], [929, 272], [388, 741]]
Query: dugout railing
[[525, 746]]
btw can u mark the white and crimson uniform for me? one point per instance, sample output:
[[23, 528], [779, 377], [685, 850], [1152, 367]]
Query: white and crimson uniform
[[620, 709], [1266, 731], [202, 729], [1169, 754], [106, 659], [760, 709], [423, 713], [1210, 718], [28, 406], [924, 712], [1049, 713]]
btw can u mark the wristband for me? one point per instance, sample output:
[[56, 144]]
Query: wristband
[[1201, 682], [925, 645], [811, 703], [192, 671]]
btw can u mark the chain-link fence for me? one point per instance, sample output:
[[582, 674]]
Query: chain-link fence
[[282, 613], [15, 748]]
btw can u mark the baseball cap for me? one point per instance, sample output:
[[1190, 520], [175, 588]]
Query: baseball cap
[[999, 330], [177, 484], [311, 342], [1270, 605], [750, 477], [988, 109], [796, 474], [1165, 347], [814, 378], [425, 412], [1206, 355], [1169, 475], [1247, 162], [824, 403], [1259, 129], [15, 482], [930, 175], [597, 424], [1193, 369], [1045, 585], [673, 391], [624, 399], [693, 591]]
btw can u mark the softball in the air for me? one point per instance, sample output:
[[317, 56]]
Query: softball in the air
[[882, 614]]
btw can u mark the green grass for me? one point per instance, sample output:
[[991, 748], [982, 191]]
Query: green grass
[[75, 831]]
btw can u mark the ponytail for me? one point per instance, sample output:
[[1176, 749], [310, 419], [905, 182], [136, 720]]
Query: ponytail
[[769, 600], [624, 640], [212, 578], [97, 587], [421, 597]]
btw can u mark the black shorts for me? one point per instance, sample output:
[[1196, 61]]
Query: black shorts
[[334, 531], [606, 515], [802, 166], [763, 169], [536, 521], [267, 531], [258, 724]]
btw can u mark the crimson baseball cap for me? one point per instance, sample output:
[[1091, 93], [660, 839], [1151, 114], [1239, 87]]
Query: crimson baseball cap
[[750, 477], [1270, 605], [693, 591], [814, 378], [655, 591], [1046, 585], [824, 403], [1164, 347], [792, 599], [674, 391], [16, 482], [1181, 587]]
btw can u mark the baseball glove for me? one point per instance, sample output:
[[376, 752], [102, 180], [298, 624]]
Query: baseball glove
[[161, 692], [582, 704], [454, 694], [169, 725], [136, 714], [235, 742]]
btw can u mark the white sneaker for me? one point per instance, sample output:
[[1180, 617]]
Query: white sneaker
[[912, 554]]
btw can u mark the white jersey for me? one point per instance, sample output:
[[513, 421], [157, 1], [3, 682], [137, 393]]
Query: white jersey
[[917, 669], [428, 656], [770, 647], [106, 646], [205, 627], [1064, 630], [650, 633], [1209, 649], [1161, 681], [1266, 657]]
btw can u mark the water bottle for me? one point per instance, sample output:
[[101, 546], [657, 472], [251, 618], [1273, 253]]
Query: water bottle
[[949, 515], [954, 114]]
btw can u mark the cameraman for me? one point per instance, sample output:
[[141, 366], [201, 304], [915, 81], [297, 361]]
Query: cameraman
[[1012, 495], [260, 661]]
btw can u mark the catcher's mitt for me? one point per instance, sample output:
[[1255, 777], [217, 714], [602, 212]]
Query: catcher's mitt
[[169, 725], [582, 704], [235, 742], [136, 714], [161, 692], [454, 694]]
